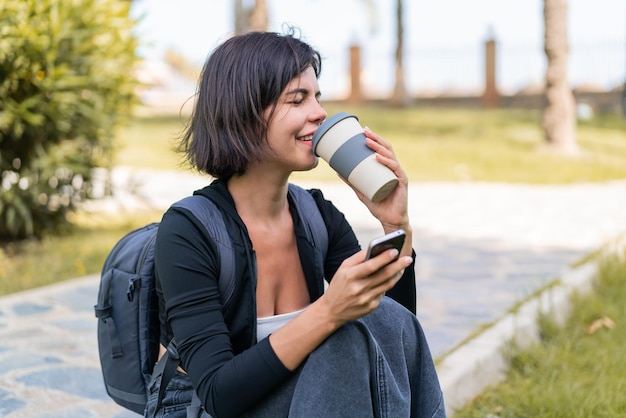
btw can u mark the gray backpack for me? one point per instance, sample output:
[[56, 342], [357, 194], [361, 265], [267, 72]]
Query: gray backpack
[[128, 311]]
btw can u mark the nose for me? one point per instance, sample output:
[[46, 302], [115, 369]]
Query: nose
[[318, 115]]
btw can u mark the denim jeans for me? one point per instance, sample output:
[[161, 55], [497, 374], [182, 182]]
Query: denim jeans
[[176, 399], [377, 366]]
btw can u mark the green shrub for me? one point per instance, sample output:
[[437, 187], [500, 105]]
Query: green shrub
[[66, 79]]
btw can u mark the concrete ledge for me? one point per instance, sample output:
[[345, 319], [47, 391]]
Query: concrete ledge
[[482, 361]]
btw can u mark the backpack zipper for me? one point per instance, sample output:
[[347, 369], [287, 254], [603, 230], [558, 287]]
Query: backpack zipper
[[134, 283]]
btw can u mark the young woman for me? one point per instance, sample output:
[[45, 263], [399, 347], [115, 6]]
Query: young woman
[[285, 346]]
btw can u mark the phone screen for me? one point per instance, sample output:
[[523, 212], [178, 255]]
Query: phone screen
[[391, 240]]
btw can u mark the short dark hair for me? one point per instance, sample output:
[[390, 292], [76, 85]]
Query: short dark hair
[[242, 78]]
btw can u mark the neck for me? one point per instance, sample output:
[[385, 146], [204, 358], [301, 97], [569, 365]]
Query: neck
[[259, 195]]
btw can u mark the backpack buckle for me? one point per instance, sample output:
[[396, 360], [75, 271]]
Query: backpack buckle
[[172, 352]]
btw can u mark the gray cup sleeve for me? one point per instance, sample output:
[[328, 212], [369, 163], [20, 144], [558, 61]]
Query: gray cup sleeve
[[349, 155]]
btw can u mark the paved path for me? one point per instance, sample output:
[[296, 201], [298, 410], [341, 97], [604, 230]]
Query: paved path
[[481, 247]]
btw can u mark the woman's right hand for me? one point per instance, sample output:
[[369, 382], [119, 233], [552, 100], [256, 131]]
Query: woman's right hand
[[359, 285], [356, 289]]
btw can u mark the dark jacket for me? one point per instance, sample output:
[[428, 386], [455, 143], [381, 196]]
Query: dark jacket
[[217, 345]]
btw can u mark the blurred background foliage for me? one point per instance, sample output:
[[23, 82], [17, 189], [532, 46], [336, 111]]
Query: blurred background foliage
[[66, 80]]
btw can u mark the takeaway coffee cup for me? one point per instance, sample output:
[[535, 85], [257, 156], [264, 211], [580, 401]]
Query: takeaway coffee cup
[[340, 141]]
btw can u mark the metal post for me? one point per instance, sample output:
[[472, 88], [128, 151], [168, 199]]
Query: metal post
[[356, 96]]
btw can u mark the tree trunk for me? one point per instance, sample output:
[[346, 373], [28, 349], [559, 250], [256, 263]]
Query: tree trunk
[[559, 113], [241, 17], [259, 16], [251, 19], [400, 96]]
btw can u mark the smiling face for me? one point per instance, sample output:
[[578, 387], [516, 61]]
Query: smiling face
[[297, 115]]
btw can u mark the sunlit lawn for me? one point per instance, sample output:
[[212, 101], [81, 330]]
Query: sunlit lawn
[[149, 142], [29, 264], [437, 144]]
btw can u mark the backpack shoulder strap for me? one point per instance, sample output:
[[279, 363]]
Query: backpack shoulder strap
[[311, 216], [211, 218], [207, 212]]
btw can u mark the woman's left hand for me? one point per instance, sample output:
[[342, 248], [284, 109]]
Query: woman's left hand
[[392, 211]]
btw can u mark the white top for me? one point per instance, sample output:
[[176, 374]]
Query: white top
[[267, 325]]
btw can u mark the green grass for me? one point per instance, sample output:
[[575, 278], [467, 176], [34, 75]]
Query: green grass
[[437, 144], [30, 264], [495, 145], [573, 372], [149, 143]]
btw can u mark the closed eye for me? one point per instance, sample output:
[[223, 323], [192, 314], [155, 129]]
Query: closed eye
[[299, 95]]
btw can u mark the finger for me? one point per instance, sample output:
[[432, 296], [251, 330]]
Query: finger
[[355, 259], [376, 141], [386, 277], [378, 299], [377, 138], [384, 151], [399, 265], [376, 263], [381, 290], [379, 148], [387, 284], [389, 161]]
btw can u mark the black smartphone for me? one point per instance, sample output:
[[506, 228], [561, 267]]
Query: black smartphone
[[391, 240]]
